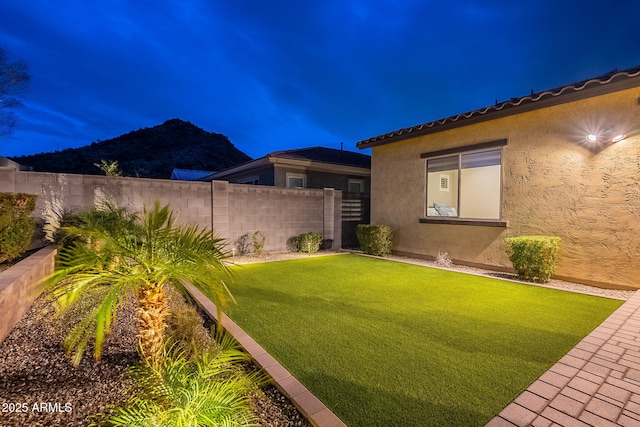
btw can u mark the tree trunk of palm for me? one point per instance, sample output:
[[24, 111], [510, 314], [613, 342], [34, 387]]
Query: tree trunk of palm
[[152, 310]]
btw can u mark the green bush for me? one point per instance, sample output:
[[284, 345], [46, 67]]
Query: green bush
[[257, 240], [63, 218], [107, 217], [309, 242], [533, 257], [374, 239], [16, 226]]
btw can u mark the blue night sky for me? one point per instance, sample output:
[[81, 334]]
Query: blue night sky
[[275, 75]]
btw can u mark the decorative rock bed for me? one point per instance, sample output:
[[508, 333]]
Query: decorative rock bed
[[40, 387]]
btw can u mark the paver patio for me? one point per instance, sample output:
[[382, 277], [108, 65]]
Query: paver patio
[[595, 384]]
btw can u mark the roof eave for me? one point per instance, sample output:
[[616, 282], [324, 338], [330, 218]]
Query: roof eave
[[491, 113], [321, 166]]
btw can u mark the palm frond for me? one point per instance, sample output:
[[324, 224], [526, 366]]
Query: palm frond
[[92, 311], [177, 393], [76, 341], [140, 413]]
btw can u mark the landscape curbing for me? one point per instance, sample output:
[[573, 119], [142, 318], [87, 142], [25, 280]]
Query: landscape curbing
[[21, 285], [310, 406]]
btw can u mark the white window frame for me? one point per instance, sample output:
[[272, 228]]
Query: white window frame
[[296, 176]]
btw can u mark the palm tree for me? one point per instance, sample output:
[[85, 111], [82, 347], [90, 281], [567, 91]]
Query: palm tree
[[115, 254]]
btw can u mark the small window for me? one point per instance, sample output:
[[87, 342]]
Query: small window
[[356, 185], [295, 180]]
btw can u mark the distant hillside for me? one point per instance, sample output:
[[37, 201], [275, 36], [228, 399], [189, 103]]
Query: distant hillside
[[146, 153]]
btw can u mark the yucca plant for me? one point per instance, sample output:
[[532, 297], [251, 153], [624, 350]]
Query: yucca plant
[[211, 390], [114, 254]]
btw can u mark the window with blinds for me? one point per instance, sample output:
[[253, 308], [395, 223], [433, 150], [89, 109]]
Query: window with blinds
[[464, 185]]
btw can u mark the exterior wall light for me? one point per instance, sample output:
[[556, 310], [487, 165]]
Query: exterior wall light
[[592, 138], [605, 136]]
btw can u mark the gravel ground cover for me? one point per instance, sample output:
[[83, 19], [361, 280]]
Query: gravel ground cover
[[552, 283]]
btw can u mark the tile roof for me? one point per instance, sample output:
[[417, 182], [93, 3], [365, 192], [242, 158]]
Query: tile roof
[[189, 174], [617, 80], [325, 155]]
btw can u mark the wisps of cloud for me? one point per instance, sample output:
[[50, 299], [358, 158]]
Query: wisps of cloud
[[282, 75]]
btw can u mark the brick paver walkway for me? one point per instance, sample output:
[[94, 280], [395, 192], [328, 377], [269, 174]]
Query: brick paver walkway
[[595, 384]]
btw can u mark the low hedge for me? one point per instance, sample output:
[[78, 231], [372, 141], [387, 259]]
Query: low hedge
[[16, 226], [534, 257], [374, 239]]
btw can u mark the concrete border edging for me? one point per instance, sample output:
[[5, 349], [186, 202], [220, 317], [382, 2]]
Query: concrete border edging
[[310, 406], [21, 285]]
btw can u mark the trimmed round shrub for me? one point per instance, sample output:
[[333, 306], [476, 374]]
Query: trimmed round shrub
[[533, 257], [374, 239]]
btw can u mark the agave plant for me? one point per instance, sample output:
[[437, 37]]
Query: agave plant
[[210, 390], [114, 254]]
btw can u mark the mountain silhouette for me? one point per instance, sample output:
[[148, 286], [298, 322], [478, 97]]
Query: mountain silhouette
[[146, 153]]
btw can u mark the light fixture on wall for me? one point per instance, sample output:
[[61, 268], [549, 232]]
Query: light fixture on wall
[[606, 136], [619, 137]]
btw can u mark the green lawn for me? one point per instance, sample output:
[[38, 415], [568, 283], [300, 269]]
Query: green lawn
[[383, 343]]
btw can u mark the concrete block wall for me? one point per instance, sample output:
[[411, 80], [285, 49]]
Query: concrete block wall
[[231, 210], [279, 213], [70, 192]]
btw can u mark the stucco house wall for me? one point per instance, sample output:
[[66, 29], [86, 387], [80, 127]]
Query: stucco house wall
[[553, 183]]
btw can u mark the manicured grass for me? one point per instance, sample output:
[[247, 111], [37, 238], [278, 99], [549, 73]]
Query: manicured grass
[[383, 343]]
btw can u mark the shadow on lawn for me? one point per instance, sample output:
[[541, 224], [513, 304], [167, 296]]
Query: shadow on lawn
[[367, 406], [473, 335], [536, 343], [449, 358]]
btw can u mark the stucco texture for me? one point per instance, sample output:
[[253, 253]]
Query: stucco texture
[[553, 183]]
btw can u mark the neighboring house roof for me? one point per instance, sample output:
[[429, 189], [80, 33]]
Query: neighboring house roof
[[325, 155], [10, 164], [320, 158], [189, 174], [608, 83]]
